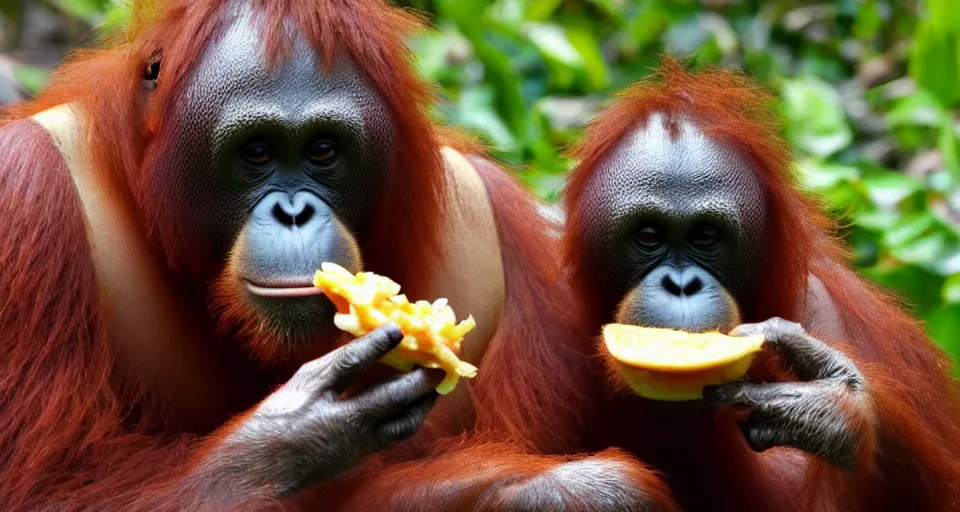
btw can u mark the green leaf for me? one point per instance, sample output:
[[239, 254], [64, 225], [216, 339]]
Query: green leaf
[[431, 54], [539, 10], [867, 22], [594, 69], [923, 239], [552, 41], [935, 55], [474, 111], [506, 12], [118, 15], [909, 229], [943, 324], [950, 264], [911, 282], [614, 8], [949, 146], [89, 10], [888, 189], [504, 81], [866, 245], [838, 184], [539, 144], [927, 250], [877, 220], [546, 186], [918, 109], [31, 78], [821, 176], [942, 181], [465, 14], [563, 62], [951, 289], [817, 124], [648, 24]]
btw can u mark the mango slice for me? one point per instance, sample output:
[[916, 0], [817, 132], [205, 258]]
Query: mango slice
[[431, 335], [675, 366]]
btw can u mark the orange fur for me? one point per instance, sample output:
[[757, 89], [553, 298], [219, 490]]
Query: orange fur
[[79, 430], [910, 458], [526, 385], [497, 472]]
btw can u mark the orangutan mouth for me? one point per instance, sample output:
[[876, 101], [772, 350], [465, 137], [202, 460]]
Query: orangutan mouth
[[283, 289]]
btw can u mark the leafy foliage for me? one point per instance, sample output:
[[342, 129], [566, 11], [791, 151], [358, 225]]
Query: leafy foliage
[[868, 95]]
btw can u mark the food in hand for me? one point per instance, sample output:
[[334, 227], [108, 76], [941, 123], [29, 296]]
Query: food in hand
[[674, 366], [431, 334]]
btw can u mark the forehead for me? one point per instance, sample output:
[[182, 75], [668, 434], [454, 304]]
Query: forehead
[[233, 78], [680, 173]]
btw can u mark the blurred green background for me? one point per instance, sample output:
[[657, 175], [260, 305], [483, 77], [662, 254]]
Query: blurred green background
[[869, 95]]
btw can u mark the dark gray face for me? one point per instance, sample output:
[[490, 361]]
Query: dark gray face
[[678, 228], [275, 170]]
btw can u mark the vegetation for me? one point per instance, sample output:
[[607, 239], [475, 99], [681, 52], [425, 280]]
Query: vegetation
[[868, 95]]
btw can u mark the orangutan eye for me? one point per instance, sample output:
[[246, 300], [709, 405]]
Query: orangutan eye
[[649, 236], [705, 236], [256, 153], [323, 153]]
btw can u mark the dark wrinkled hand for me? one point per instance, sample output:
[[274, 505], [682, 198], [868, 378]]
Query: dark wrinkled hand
[[821, 415], [304, 432]]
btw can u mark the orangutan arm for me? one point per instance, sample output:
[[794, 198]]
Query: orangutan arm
[[495, 477]]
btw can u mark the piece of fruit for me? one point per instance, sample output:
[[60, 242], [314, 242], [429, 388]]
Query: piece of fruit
[[431, 334], [674, 366]]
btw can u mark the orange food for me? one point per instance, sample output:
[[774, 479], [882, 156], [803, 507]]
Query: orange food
[[673, 366], [432, 336]]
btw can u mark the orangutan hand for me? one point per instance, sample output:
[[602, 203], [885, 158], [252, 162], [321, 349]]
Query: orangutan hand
[[305, 432], [823, 415]]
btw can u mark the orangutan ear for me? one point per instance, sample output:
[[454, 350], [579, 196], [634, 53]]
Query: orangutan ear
[[151, 72]]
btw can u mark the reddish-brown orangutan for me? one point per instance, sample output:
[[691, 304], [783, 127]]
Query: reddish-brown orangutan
[[682, 213], [165, 203]]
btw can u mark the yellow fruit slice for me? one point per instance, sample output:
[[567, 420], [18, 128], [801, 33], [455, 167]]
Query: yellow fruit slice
[[674, 366], [431, 334]]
